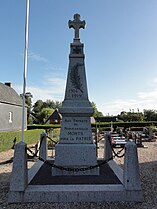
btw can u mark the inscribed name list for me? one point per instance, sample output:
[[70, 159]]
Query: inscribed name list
[[76, 130]]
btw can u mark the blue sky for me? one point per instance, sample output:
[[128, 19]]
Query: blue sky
[[120, 50]]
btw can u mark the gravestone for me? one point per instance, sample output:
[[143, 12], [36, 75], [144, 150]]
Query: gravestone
[[76, 148]]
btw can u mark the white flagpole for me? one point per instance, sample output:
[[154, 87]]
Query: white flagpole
[[25, 68]]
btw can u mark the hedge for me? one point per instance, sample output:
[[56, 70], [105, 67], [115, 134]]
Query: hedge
[[106, 125], [125, 124], [47, 126]]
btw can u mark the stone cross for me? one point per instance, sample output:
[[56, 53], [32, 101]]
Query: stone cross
[[76, 24]]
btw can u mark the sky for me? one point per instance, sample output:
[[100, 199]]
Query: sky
[[120, 46]]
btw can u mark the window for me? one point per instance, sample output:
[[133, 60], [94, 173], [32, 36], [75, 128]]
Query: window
[[10, 117]]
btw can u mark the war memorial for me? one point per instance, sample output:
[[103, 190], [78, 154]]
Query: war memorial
[[75, 174]]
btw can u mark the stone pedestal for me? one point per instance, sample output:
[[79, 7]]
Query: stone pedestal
[[76, 148], [131, 177], [75, 156], [19, 176]]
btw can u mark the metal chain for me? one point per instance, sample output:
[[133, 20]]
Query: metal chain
[[75, 169], [34, 154], [116, 153], [51, 139]]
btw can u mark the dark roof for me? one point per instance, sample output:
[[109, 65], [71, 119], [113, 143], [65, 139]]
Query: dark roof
[[9, 95], [54, 115]]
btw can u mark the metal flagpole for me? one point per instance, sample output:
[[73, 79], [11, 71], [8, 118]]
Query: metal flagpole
[[25, 67]]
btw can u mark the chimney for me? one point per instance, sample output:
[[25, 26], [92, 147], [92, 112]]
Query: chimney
[[8, 84]]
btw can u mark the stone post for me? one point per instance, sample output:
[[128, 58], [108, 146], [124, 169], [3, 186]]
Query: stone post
[[150, 133], [43, 146], [19, 176], [107, 147], [131, 176]]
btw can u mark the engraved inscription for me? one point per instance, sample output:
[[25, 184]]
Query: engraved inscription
[[76, 130], [74, 93]]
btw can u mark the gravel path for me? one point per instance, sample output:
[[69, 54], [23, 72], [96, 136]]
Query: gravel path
[[148, 172]]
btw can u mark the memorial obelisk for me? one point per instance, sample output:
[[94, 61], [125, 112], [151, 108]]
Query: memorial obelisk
[[75, 148]]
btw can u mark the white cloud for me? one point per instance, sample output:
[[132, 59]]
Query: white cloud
[[148, 95], [52, 87], [154, 81], [37, 57], [142, 101]]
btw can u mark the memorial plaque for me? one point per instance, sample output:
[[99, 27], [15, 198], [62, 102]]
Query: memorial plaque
[[76, 130]]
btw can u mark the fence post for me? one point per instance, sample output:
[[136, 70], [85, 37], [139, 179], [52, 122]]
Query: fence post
[[107, 147], [131, 175], [43, 146]]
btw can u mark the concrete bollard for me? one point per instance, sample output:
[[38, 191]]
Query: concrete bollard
[[107, 147], [43, 146], [19, 176], [131, 175]]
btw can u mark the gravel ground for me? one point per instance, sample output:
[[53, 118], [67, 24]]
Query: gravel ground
[[148, 172]]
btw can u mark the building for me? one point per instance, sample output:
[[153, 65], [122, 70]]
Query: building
[[55, 118], [10, 109]]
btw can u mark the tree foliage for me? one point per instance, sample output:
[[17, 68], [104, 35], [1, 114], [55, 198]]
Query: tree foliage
[[37, 107], [43, 110], [147, 115], [28, 101], [44, 114], [96, 112], [150, 115], [131, 116]]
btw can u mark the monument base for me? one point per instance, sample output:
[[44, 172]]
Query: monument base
[[75, 156], [75, 189]]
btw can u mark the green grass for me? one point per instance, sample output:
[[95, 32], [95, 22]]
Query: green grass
[[30, 136]]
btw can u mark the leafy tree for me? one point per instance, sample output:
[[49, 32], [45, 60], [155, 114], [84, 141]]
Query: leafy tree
[[49, 104], [96, 112], [150, 115], [43, 110], [57, 104], [131, 116], [28, 101], [44, 114], [37, 107]]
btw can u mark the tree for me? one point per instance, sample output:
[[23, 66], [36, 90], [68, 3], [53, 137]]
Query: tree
[[43, 110], [28, 101], [44, 114], [37, 107], [96, 112], [51, 104], [57, 104], [131, 116], [150, 115]]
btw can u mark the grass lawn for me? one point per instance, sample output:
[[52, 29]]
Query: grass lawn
[[6, 138]]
